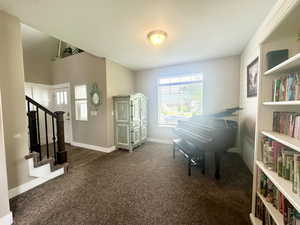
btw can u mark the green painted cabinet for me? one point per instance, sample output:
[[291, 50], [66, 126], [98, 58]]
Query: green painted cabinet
[[130, 120]]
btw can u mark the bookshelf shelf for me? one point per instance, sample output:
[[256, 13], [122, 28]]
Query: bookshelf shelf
[[288, 103], [284, 186], [283, 139], [286, 66], [276, 215], [255, 220]]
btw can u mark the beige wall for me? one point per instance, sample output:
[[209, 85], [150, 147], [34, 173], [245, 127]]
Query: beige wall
[[248, 116], [221, 87], [4, 206], [12, 87], [85, 69], [120, 81], [37, 69]]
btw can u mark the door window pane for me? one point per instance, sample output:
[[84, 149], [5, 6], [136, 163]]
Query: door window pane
[[80, 102]]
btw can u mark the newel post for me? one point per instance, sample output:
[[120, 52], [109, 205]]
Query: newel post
[[60, 132]]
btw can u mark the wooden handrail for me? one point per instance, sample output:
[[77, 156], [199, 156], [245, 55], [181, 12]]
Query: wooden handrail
[[40, 106]]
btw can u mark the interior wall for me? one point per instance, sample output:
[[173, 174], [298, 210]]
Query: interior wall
[[12, 87], [4, 206], [248, 115], [120, 81], [37, 69], [81, 69], [221, 88], [247, 119]]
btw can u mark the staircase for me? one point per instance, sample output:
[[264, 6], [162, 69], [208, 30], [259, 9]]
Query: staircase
[[47, 155]]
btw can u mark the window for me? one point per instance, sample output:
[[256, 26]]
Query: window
[[81, 110], [61, 98], [179, 98]]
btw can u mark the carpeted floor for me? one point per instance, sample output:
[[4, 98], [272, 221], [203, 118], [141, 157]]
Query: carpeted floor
[[146, 187]]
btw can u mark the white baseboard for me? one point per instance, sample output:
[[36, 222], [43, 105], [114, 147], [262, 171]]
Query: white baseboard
[[161, 141], [34, 183], [6, 220], [94, 147]]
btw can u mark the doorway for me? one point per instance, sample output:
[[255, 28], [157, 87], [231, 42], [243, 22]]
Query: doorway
[[62, 102]]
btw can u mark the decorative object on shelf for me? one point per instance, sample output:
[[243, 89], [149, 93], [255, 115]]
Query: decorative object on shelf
[[76, 50], [95, 94], [252, 76], [68, 49], [274, 58], [67, 52]]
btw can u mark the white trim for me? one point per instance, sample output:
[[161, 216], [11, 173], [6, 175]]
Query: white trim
[[34, 183], [254, 220], [30, 84], [94, 147], [7, 219], [167, 125], [62, 85], [161, 141]]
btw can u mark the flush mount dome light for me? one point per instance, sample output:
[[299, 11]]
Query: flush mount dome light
[[157, 37]]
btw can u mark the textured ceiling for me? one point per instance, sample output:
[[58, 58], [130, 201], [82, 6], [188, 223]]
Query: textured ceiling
[[117, 29]]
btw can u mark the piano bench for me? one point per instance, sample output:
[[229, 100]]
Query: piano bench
[[194, 155]]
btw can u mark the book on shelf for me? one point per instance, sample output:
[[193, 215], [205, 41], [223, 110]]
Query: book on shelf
[[273, 196], [287, 123], [282, 160], [287, 88]]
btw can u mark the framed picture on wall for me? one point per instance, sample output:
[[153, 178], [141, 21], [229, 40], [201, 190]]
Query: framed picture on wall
[[252, 77]]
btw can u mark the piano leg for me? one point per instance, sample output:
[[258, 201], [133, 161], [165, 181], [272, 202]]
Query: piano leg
[[190, 167], [217, 164], [174, 150], [203, 163]]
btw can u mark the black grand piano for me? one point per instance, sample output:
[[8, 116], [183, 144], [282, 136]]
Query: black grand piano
[[203, 139]]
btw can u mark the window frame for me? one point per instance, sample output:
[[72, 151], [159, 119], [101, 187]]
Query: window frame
[[80, 100], [61, 97], [170, 124]]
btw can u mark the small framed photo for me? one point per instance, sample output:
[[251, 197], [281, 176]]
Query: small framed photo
[[252, 77]]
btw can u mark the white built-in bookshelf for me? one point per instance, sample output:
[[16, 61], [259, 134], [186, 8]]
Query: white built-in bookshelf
[[283, 103], [284, 36], [276, 215], [254, 220], [288, 141], [283, 185]]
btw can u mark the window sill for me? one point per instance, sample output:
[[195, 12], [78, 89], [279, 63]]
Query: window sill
[[167, 125]]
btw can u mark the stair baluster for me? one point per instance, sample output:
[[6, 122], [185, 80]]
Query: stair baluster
[[46, 128], [59, 152], [54, 139]]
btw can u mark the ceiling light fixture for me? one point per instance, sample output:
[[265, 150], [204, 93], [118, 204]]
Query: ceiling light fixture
[[157, 37]]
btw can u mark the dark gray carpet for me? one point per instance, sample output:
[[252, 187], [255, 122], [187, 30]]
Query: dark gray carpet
[[146, 187]]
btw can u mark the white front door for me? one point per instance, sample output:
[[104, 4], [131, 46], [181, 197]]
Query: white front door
[[61, 102]]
